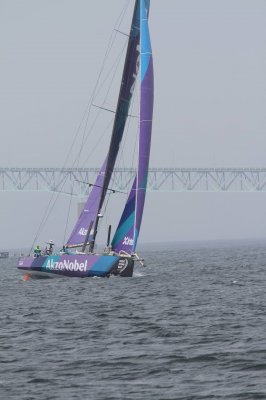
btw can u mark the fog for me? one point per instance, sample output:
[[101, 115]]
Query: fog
[[210, 99]]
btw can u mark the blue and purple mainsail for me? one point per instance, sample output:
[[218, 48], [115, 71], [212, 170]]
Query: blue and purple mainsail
[[139, 56], [126, 235], [96, 199], [128, 82]]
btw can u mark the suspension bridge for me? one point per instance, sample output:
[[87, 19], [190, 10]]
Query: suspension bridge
[[76, 181]]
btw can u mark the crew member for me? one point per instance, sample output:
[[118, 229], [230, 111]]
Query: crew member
[[37, 251], [49, 250]]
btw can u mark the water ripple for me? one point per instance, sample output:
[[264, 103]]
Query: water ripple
[[189, 326]]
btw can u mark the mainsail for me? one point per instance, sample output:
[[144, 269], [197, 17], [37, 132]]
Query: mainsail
[[129, 77], [96, 199], [126, 235]]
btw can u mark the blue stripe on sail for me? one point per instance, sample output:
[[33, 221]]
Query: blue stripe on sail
[[145, 58], [123, 229], [142, 187], [136, 26], [135, 239], [143, 184], [147, 4], [145, 42], [130, 208]]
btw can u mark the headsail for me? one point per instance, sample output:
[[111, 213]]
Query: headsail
[[126, 235], [88, 214]]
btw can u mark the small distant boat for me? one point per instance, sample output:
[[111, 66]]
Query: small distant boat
[[119, 255], [4, 254]]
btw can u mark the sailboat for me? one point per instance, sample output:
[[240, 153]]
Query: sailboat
[[79, 257]]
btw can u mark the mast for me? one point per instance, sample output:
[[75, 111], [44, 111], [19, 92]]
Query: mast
[[128, 81]]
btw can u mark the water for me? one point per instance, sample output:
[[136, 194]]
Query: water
[[191, 325]]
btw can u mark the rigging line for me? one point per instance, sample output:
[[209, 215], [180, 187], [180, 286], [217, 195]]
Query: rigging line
[[88, 107], [122, 33], [121, 154], [103, 108], [112, 111], [121, 17], [112, 72], [104, 210], [85, 114], [105, 213], [121, 159], [129, 124], [95, 120], [68, 214], [50, 207], [40, 225], [113, 67], [48, 210], [98, 142], [122, 14], [99, 87], [53, 198], [92, 184], [90, 130], [84, 139], [116, 64], [110, 45]]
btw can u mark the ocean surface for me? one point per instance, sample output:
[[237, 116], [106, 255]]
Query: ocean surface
[[191, 325]]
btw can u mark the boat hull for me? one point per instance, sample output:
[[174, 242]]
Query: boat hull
[[76, 266]]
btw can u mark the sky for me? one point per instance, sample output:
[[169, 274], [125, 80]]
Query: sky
[[209, 111]]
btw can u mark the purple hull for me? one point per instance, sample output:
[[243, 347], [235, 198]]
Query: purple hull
[[76, 265]]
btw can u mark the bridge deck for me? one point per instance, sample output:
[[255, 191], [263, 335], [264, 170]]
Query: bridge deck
[[73, 180]]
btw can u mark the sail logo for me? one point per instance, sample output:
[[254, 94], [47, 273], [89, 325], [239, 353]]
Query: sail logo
[[83, 231], [135, 74], [66, 265], [128, 241], [122, 264]]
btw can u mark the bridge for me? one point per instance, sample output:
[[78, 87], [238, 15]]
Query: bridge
[[76, 180]]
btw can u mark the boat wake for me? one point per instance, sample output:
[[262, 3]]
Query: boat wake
[[138, 274]]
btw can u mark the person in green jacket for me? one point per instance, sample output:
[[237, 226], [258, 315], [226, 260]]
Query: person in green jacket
[[37, 251]]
